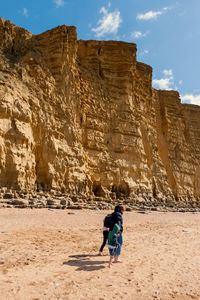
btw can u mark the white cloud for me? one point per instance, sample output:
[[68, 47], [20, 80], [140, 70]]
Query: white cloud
[[191, 99], [25, 12], [149, 15], [152, 15], [166, 8], [168, 73], [58, 3], [108, 24], [180, 82], [144, 52], [138, 34], [162, 84], [165, 83]]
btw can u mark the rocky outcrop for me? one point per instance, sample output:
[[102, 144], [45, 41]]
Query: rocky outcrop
[[80, 123]]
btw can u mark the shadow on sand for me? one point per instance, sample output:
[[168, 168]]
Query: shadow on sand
[[83, 263]]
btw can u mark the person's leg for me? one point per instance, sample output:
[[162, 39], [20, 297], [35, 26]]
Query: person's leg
[[110, 261], [119, 249], [105, 237], [112, 254]]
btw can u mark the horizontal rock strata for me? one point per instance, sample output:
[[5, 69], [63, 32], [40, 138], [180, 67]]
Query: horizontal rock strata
[[81, 126]]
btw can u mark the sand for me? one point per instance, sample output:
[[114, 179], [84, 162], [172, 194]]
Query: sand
[[52, 254]]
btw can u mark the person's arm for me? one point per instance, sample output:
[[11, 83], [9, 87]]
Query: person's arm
[[115, 240]]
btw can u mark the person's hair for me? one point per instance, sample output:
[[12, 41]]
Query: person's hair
[[120, 208], [123, 208]]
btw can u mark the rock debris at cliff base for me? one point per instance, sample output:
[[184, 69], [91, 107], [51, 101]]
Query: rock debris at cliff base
[[80, 119]]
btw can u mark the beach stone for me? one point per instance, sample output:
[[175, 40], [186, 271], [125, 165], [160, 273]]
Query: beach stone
[[63, 202], [8, 196]]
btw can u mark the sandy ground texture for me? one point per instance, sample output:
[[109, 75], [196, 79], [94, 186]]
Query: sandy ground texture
[[52, 254]]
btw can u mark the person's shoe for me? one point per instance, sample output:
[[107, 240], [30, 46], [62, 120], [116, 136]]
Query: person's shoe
[[118, 260], [100, 253]]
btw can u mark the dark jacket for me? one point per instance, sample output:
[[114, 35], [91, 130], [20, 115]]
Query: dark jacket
[[117, 218]]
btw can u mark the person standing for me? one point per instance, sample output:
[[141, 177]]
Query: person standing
[[113, 243], [107, 223], [105, 237], [117, 218]]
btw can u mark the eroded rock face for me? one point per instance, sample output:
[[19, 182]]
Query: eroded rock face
[[81, 118]]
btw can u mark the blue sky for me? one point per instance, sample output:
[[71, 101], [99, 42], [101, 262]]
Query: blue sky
[[167, 32]]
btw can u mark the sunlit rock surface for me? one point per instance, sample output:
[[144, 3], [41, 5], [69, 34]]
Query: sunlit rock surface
[[80, 119]]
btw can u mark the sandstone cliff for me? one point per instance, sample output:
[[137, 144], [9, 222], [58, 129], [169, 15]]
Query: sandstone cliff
[[80, 119]]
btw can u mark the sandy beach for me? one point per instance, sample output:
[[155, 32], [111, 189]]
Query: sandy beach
[[52, 254]]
